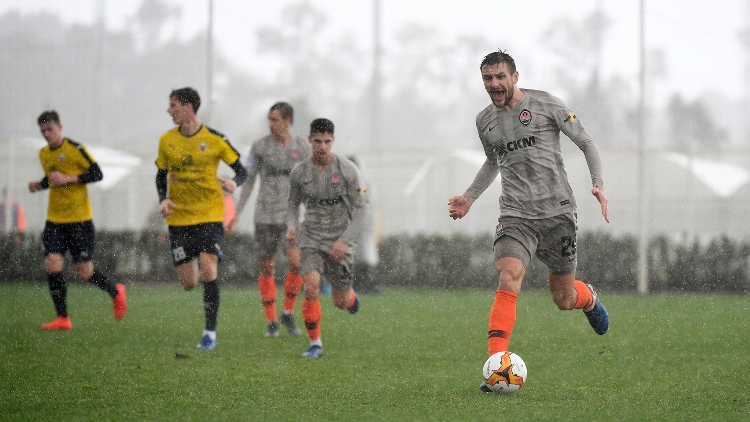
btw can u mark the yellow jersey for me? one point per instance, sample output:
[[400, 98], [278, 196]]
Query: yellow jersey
[[70, 203], [192, 163]]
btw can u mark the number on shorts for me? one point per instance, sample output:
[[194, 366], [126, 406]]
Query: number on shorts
[[179, 253], [568, 246]]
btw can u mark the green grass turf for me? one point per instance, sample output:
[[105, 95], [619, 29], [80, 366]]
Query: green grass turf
[[407, 355]]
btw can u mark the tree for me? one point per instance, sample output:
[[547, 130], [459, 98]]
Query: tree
[[690, 124]]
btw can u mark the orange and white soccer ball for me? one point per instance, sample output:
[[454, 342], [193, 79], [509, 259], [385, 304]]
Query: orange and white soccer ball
[[504, 372]]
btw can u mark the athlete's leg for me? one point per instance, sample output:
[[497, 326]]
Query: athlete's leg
[[311, 312], [209, 266], [293, 279], [510, 271], [54, 262], [86, 271], [58, 289], [292, 288], [267, 289], [569, 293], [188, 274]]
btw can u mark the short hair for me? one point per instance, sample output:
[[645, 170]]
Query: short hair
[[285, 109], [321, 125], [497, 57], [187, 95], [48, 116]]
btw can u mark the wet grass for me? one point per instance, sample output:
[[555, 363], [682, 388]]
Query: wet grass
[[408, 355]]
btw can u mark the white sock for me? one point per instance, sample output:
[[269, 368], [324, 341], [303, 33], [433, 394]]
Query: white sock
[[316, 342], [211, 334], [285, 312]]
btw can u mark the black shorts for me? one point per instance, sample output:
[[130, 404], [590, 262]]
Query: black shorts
[[78, 238], [268, 237], [189, 241]]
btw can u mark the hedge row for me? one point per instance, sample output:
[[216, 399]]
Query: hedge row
[[429, 261]]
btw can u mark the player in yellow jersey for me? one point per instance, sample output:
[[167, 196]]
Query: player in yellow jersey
[[191, 199], [68, 167]]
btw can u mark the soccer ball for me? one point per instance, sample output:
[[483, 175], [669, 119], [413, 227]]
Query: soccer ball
[[504, 372]]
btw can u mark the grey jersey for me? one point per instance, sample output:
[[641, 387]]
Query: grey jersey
[[335, 203], [273, 163], [523, 145]]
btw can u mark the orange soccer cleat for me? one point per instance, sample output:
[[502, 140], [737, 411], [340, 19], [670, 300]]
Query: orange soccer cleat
[[61, 323], [120, 302]]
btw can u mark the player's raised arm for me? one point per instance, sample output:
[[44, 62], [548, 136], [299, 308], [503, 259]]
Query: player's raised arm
[[458, 206]]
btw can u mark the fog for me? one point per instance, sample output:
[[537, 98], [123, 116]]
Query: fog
[[411, 122]]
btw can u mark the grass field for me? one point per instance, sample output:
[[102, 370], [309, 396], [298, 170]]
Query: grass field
[[411, 355]]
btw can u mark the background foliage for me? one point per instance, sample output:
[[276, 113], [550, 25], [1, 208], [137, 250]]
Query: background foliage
[[443, 262]]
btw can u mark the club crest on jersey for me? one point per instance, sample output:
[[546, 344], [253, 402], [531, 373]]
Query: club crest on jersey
[[335, 180], [498, 229], [202, 147], [525, 117], [294, 154], [61, 158]]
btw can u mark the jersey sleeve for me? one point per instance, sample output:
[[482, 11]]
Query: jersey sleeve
[[253, 162], [572, 127], [565, 119], [161, 158], [229, 155], [88, 159], [356, 200], [295, 198]]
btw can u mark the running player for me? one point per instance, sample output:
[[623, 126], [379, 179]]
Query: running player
[[520, 133], [272, 158], [335, 202], [68, 167], [189, 158]]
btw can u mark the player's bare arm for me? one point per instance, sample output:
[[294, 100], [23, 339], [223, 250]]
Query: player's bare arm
[[60, 179], [598, 192], [458, 207], [166, 207], [228, 185], [35, 186]]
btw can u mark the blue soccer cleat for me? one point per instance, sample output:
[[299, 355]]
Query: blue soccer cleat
[[598, 317], [314, 351], [355, 307], [483, 387], [207, 343]]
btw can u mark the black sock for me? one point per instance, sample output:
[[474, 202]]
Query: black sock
[[58, 288], [211, 303], [102, 281]]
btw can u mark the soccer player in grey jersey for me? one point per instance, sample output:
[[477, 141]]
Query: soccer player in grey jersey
[[272, 158], [520, 134], [333, 193]]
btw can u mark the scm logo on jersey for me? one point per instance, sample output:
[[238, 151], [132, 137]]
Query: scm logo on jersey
[[503, 149]]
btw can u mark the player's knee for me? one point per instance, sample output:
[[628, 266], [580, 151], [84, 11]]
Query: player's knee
[[294, 267], [312, 291]]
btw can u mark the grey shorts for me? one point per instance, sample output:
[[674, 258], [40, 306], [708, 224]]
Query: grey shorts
[[552, 240], [339, 274], [268, 237]]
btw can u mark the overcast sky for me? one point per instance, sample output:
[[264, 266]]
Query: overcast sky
[[700, 40]]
